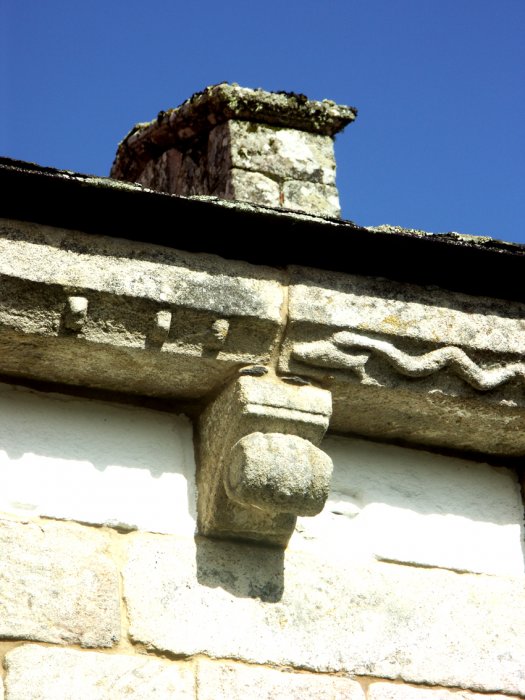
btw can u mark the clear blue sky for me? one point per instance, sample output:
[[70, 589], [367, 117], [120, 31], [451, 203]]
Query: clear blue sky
[[439, 143]]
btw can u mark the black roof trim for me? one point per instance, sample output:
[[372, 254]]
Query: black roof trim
[[480, 266]]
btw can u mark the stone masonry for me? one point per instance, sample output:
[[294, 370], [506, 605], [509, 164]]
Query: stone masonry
[[274, 149], [236, 472]]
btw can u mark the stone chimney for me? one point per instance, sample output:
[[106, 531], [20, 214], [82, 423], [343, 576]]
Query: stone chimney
[[275, 149]]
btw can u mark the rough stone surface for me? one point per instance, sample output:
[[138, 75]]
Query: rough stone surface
[[95, 462], [254, 158], [218, 104], [249, 187], [405, 362], [127, 285], [287, 154], [311, 197], [261, 483], [415, 507], [278, 473], [58, 585], [254, 163], [37, 673], [402, 362], [384, 620], [236, 682], [389, 691]]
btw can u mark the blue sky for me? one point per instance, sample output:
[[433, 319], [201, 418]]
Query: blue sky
[[439, 143]]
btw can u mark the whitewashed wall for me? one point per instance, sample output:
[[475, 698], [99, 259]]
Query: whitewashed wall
[[95, 462], [411, 506], [134, 468], [414, 571]]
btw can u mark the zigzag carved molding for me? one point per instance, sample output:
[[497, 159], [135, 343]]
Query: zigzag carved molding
[[340, 353]]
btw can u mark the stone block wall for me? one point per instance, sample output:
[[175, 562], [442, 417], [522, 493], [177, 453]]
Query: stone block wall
[[408, 586]]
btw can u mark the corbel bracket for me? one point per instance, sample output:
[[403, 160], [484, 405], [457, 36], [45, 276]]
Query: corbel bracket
[[259, 466]]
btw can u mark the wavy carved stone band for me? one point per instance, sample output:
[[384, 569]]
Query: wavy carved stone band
[[339, 353]]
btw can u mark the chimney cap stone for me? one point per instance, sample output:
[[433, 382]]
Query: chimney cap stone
[[183, 126]]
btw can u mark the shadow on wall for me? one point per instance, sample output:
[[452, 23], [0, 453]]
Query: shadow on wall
[[133, 468], [96, 462], [411, 506], [244, 570]]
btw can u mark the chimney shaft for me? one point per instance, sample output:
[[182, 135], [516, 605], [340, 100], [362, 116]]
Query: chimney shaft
[[274, 149]]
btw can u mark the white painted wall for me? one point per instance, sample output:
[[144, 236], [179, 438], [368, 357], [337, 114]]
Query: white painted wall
[[95, 462], [415, 507]]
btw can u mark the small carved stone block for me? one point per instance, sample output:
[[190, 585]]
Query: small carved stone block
[[75, 313], [161, 327]]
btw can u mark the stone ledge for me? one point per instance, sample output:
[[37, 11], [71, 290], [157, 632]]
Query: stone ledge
[[473, 265], [403, 362], [153, 321]]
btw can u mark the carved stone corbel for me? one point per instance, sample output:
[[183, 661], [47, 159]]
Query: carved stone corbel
[[259, 463]]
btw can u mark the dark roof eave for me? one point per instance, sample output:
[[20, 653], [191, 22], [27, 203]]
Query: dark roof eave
[[103, 206]]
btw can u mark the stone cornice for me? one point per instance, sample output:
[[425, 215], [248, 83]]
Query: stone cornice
[[273, 354], [402, 362], [405, 362]]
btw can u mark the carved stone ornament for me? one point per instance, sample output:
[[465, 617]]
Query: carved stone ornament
[[405, 362], [271, 357], [259, 464], [341, 352]]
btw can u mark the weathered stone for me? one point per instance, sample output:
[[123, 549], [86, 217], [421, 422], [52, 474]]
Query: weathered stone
[[127, 285], [405, 362], [95, 462], [402, 362], [156, 174], [57, 585], [389, 691], [236, 682], [217, 104], [311, 197], [253, 162], [274, 156], [251, 485], [160, 328], [278, 473], [411, 506], [75, 313], [250, 187], [174, 171], [39, 673], [381, 620], [287, 154]]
